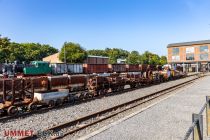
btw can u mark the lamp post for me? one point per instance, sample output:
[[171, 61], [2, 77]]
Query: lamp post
[[64, 54], [65, 58]]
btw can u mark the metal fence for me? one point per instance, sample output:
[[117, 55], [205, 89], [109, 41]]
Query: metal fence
[[197, 122]]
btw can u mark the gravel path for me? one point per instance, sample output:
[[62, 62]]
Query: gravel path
[[168, 120], [37, 122]]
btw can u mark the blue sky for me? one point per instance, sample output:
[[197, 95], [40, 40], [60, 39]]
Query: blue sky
[[96, 24]]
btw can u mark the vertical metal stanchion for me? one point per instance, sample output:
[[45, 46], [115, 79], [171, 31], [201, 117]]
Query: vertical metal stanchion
[[198, 129], [208, 114]]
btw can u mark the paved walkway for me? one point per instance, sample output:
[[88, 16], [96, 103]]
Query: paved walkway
[[168, 120]]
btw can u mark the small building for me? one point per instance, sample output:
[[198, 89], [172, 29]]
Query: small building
[[90, 59], [121, 61], [193, 56], [54, 58]]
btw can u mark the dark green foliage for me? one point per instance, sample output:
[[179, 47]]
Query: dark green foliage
[[97, 52], [163, 60], [134, 58], [131, 58], [11, 51], [112, 53], [74, 53], [4, 48]]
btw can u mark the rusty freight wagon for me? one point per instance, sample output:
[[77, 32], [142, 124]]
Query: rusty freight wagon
[[62, 68], [133, 67], [95, 68], [16, 93], [117, 68]]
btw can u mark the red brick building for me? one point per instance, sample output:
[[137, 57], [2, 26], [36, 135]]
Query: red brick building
[[193, 56]]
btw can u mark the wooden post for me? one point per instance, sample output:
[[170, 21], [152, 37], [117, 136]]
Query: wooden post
[[198, 129], [208, 114]]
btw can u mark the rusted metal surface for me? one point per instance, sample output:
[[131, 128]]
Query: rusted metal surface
[[39, 83], [95, 68], [117, 67], [56, 82], [74, 126], [76, 79], [16, 92], [133, 67], [96, 60], [77, 82]]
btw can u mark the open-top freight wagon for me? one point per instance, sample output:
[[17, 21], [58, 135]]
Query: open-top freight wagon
[[27, 93]]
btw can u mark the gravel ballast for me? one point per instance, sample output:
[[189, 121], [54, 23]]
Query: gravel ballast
[[46, 120]]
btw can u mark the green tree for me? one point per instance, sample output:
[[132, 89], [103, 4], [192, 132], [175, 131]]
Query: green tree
[[133, 58], [97, 52], [17, 52], [4, 49], [154, 59], [74, 53], [36, 51], [146, 57], [163, 60], [115, 54]]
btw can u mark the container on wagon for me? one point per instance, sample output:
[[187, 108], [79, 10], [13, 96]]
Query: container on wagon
[[49, 97], [58, 68], [74, 68]]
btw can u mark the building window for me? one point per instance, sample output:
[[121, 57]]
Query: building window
[[204, 49], [175, 58], [190, 50], [175, 51], [189, 56], [204, 56]]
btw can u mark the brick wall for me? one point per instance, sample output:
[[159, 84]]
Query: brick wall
[[182, 53]]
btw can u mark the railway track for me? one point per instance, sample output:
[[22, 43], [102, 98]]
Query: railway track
[[46, 109], [79, 124]]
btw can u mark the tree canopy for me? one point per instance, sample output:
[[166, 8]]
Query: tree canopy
[[132, 57], [74, 53], [11, 51]]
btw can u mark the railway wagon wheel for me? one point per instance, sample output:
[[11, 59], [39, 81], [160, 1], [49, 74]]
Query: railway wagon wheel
[[122, 88], [32, 107], [100, 92], [71, 99], [105, 91], [51, 103], [132, 85], [114, 89], [58, 102], [12, 110]]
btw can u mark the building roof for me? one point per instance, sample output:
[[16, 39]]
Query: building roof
[[97, 56], [188, 43]]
